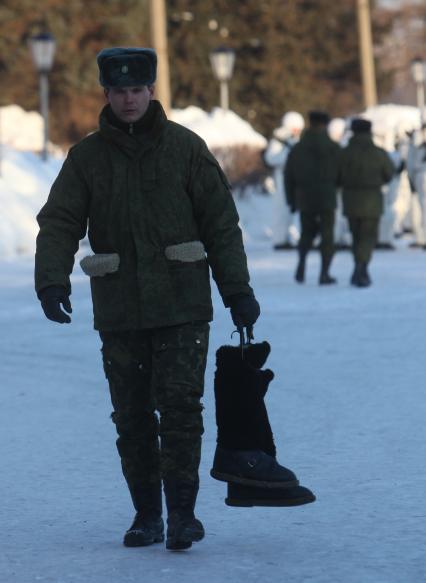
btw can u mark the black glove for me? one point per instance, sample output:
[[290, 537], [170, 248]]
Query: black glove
[[51, 299], [245, 310]]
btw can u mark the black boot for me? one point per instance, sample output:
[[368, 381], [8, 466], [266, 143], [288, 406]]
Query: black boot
[[182, 527], [299, 276], [251, 468], [240, 387], [365, 275], [147, 527], [360, 277], [356, 274], [245, 452], [325, 278]]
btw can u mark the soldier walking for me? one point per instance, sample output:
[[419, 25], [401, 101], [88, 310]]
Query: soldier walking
[[337, 132], [159, 212], [415, 140], [386, 229], [311, 180], [364, 169]]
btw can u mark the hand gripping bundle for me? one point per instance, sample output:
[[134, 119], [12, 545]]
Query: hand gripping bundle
[[245, 455]]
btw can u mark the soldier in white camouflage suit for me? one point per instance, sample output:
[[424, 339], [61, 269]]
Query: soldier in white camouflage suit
[[275, 156], [420, 179]]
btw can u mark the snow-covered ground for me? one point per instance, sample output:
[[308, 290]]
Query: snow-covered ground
[[347, 408]]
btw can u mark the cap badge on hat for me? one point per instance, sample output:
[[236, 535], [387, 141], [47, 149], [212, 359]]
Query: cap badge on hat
[[124, 69]]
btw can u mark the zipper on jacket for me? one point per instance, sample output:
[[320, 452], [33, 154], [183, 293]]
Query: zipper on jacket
[[130, 128]]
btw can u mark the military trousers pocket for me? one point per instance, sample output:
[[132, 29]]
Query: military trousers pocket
[[180, 355]]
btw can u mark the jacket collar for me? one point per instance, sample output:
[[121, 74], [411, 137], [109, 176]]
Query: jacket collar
[[146, 131], [315, 138], [361, 138], [315, 133], [142, 126]]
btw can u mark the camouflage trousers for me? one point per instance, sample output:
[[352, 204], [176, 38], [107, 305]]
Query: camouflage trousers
[[159, 370]]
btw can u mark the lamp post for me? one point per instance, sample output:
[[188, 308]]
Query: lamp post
[[366, 53], [418, 71], [158, 17], [1, 147], [42, 47], [222, 60]]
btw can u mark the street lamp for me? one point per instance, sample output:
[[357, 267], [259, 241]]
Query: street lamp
[[222, 60], [418, 71], [42, 47]]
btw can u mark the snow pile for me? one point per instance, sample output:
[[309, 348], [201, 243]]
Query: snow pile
[[24, 185], [25, 179], [219, 128], [20, 129], [396, 119]]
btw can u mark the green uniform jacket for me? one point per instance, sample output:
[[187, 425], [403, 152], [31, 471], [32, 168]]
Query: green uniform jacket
[[311, 172], [138, 195], [364, 168]]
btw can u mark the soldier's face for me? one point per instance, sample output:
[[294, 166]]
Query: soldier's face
[[295, 132], [129, 103]]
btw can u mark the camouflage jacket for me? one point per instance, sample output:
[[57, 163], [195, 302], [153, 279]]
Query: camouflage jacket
[[311, 172], [139, 195], [364, 168]]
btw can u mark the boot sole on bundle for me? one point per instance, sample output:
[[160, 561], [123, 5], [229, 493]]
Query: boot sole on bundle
[[244, 496]]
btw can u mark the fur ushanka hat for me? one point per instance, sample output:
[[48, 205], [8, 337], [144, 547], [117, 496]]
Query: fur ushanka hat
[[127, 67], [360, 125]]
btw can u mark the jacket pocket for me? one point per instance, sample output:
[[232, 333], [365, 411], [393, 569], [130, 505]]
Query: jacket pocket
[[108, 301], [190, 284]]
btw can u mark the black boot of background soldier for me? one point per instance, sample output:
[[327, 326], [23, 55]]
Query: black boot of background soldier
[[360, 276], [365, 275], [325, 278], [299, 276]]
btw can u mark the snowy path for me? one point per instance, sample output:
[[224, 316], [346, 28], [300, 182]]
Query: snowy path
[[347, 407]]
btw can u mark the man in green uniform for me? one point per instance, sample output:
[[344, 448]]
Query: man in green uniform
[[159, 213], [310, 181], [364, 169]]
